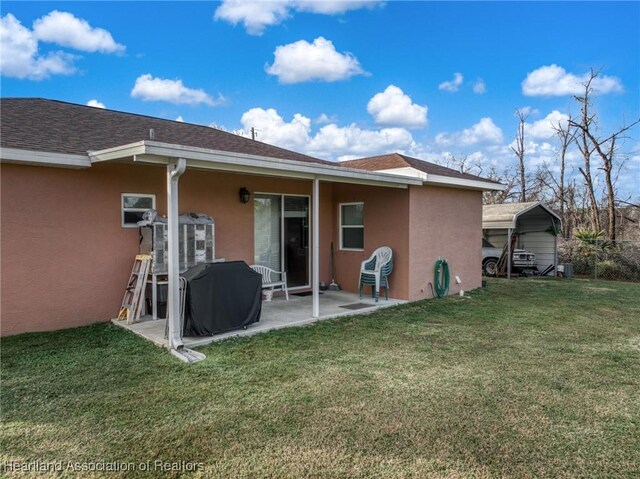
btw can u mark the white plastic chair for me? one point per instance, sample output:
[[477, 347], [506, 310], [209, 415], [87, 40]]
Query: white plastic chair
[[272, 279], [376, 270]]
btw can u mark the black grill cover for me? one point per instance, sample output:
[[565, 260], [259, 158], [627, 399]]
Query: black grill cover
[[221, 297]]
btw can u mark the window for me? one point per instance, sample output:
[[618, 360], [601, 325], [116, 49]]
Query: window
[[133, 206], [352, 226]]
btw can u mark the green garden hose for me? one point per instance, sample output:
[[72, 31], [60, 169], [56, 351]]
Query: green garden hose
[[441, 278]]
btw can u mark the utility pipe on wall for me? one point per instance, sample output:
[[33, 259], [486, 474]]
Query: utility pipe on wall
[[175, 169]]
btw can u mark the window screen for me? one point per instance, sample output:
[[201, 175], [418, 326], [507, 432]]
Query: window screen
[[352, 226], [133, 207]]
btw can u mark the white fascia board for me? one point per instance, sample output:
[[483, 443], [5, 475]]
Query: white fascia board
[[444, 180], [439, 180], [405, 171], [202, 158], [498, 225], [43, 158], [118, 152]]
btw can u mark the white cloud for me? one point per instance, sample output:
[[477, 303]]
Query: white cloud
[[333, 7], [357, 141], [257, 15], [272, 128], [444, 140], [553, 80], [452, 85], [330, 142], [173, 91], [544, 129], [180, 119], [323, 119], [394, 107], [64, 29], [254, 15], [95, 104], [479, 87], [303, 61], [19, 56], [483, 132]]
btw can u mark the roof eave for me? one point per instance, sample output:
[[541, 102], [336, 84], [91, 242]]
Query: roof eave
[[43, 158], [464, 183], [202, 158]]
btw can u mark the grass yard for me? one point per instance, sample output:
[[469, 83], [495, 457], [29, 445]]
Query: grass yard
[[527, 378]]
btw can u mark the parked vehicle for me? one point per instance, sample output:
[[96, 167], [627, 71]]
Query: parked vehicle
[[522, 260], [490, 257]]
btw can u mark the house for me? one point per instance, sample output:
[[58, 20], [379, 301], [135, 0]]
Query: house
[[75, 180]]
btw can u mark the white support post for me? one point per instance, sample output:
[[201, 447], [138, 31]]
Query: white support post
[[555, 255], [174, 170], [154, 296], [315, 284], [509, 253]]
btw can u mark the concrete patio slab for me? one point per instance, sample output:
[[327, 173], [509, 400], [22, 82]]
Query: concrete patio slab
[[276, 314]]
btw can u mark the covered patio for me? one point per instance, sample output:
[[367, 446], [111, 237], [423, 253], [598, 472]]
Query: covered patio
[[276, 314], [177, 159]]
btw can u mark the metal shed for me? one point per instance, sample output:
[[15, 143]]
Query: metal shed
[[535, 225]]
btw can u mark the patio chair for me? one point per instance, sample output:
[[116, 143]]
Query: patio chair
[[376, 270], [272, 279]]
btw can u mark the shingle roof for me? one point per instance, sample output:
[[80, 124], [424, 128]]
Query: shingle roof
[[396, 160], [60, 127]]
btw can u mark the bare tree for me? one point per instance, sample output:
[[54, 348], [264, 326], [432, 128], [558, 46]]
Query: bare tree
[[605, 148], [586, 149], [567, 136], [509, 179], [519, 150], [571, 217]]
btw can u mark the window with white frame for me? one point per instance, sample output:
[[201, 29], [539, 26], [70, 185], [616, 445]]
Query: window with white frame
[[352, 226], [133, 206]]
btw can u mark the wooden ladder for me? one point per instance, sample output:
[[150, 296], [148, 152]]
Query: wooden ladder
[[501, 267], [134, 293]]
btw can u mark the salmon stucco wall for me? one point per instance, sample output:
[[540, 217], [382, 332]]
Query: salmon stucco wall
[[445, 223], [65, 258], [386, 223]]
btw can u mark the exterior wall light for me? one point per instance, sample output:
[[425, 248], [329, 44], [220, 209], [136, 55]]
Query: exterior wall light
[[244, 194]]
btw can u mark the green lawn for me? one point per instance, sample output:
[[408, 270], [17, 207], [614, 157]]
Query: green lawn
[[526, 378]]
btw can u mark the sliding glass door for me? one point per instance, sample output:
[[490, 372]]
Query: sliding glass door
[[281, 225], [268, 231]]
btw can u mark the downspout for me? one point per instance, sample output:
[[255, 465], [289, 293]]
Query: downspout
[[315, 284], [175, 169]]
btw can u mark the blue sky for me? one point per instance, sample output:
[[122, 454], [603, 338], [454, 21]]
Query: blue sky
[[340, 79]]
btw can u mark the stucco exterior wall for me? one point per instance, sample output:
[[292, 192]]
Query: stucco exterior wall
[[386, 223], [445, 223], [65, 258]]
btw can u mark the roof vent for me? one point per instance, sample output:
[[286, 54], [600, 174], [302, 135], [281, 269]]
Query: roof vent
[[152, 134]]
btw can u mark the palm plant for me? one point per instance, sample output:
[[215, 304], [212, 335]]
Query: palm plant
[[592, 241]]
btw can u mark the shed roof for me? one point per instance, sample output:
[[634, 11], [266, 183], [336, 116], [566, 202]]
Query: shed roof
[[506, 215]]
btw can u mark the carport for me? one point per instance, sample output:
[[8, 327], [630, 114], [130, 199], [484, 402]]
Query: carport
[[535, 226]]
